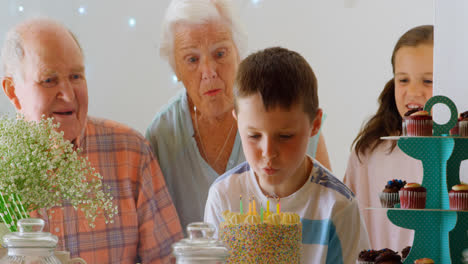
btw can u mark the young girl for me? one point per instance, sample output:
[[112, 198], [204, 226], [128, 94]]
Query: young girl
[[374, 161]]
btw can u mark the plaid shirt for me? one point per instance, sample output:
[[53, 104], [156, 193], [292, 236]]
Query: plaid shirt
[[147, 224]]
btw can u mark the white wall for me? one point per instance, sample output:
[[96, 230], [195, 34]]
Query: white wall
[[347, 42], [451, 59], [450, 51]]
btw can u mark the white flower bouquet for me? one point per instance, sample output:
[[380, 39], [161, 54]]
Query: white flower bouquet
[[40, 169]]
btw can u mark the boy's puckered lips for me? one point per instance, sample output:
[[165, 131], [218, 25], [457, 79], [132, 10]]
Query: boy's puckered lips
[[270, 170]]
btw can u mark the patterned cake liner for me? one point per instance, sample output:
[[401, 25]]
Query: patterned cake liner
[[403, 128], [418, 127], [458, 201], [388, 200], [412, 199], [463, 128]]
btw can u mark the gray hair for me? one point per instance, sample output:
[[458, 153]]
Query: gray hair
[[13, 47], [199, 12]]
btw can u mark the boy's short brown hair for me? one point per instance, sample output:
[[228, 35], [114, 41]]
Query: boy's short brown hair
[[282, 78]]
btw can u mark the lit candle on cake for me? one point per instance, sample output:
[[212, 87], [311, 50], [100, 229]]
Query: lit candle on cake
[[261, 213], [254, 207], [278, 207], [250, 207], [268, 207], [241, 207]]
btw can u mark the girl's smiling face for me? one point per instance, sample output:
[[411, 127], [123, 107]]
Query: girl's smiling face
[[413, 76]]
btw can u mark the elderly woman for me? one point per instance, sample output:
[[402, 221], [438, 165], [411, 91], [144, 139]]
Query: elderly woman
[[195, 136]]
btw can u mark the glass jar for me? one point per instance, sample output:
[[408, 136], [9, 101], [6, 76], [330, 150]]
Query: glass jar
[[30, 245], [200, 247]]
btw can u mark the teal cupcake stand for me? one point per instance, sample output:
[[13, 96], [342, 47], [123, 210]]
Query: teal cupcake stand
[[439, 233]]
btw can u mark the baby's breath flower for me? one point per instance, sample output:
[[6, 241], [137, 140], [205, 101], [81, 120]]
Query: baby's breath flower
[[37, 163]]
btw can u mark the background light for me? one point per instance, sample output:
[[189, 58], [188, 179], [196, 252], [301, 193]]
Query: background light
[[82, 10], [255, 2], [174, 78], [131, 22], [20, 8]]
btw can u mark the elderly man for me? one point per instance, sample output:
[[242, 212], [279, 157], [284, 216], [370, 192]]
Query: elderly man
[[45, 75]]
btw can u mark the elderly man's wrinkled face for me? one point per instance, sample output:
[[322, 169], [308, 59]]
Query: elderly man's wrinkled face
[[53, 82], [206, 61]]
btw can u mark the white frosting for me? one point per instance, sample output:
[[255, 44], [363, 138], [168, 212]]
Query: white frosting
[[420, 113], [412, 185], [460, 187], [252, 219]]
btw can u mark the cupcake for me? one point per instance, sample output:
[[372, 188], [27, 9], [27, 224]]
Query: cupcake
[[384, 250], [424, 261], [388, 257], [405, 252], [408, 113], [454, 130], [413, 196], [418, 123], [463, 124], [458, 197], [389, 196], [367, 256]]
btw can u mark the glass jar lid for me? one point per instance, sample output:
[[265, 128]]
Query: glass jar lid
[[30, 235], [200, 244]]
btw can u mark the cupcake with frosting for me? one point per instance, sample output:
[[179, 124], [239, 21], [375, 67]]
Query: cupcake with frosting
[[413, 196], [454, 130], [408, 113], [388, 257], [389, 196], [405, 252], [463, 124], [367, 256], [384, 250], [417, 122], [424, 261], [458, 197]]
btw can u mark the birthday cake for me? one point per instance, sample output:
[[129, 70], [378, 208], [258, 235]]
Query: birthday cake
[[265, 238]]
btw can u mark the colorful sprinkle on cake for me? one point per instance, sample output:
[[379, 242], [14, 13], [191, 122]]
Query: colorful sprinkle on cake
[[251, 240]]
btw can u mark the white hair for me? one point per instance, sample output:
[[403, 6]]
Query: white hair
[[13, 47], [199, 12], [13, 54]]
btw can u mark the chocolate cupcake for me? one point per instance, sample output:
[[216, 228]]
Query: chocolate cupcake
[[463, 124], [388, 257], [413, 196], [458, 197], [408, 113], [389, 196], [367, 256], [405, 252], [383, 250], [424, 261], [418, 123]]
